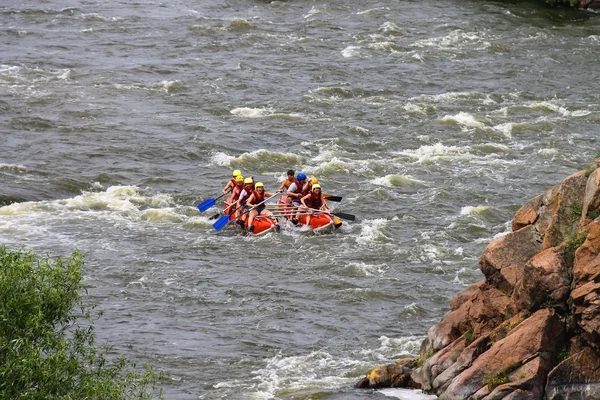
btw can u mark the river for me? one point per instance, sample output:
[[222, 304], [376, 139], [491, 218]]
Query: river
[[434, 120]]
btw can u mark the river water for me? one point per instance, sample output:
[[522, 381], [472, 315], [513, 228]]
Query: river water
[[435, 120]]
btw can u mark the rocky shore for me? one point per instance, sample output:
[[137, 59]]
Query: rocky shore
[[531, 328]]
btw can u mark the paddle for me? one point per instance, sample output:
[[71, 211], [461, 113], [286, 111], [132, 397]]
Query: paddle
[[206, 204], [217, 215], [349, 217], [224, 220], [331, 197]]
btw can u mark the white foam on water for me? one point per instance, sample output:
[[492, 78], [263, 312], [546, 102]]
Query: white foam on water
[[222, 159], [418, 56], [407, 394], [471, 210], [351, 51], [449, 97], [548, 152], [372, 231], [13, 168], [318, 369], [248, 112], [370, 10], [464, 120], [438, 151], [395, 181], [363, 269], [382, 46], [549, 107], [392, 348], [453, 40]]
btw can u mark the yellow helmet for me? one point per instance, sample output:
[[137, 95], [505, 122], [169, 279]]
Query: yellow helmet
[[239, 178], [237, 172], [314, 180], [248, 180], [259, 184], [316, 186]]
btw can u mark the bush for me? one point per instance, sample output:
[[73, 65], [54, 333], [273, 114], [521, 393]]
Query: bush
[[47, 347]]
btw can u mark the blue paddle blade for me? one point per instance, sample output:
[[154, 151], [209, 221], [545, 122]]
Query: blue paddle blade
[[221, 222], [206, 204]]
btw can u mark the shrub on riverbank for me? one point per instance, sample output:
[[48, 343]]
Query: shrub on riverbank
[[47, 338]]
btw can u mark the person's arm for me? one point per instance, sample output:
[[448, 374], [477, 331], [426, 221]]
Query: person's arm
[[303, 200], [290, 192], [324, 203], [226, 188], [284, 185]]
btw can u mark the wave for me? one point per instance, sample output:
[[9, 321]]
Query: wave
[[395, 181]]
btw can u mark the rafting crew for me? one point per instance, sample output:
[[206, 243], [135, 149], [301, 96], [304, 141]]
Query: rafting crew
[[257, 206]]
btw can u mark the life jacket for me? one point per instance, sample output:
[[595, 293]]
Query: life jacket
[[259, 199], [314, 202]]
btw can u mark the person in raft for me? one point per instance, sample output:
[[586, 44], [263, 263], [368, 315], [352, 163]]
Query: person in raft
[[243, 199], [307, 188], [291, 178], [257, 205], [231, 184], [294, 194], [235, 195], [313, 201]]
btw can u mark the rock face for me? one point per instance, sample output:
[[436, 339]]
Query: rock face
[[531, 329]]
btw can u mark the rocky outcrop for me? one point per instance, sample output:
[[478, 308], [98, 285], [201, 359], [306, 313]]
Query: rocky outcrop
[[531, 329]]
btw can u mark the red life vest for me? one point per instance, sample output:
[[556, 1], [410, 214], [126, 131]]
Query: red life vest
[[314, 202], [235, 194], [259, 199]]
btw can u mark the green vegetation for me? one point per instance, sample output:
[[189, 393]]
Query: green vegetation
[[574, 240], [423, 357], [469, 337], [47, 347], [501, 377], [574, 212]]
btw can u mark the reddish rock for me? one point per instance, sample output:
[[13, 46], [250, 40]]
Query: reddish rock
[[484, 310], [560, 201], [503, 260], [536, 337], [591, 197], [587, 259], [546, 280], [577, 377], [527, 214]]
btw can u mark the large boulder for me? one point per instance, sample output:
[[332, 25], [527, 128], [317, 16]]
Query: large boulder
[[546, 280], [508, 360], [483, 310], [577, 377], [504, 260]]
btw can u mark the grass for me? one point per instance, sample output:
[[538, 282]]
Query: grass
[[493, 380]]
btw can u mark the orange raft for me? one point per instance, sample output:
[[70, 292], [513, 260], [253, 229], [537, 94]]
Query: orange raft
[[317, 222], [262, 224]]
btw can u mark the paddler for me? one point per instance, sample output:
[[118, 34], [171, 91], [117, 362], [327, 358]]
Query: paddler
[[313, 201], [231, 184], [294, 193], [291, 178], [257, 205], [235, 194], [243, 199], [307, 188]]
